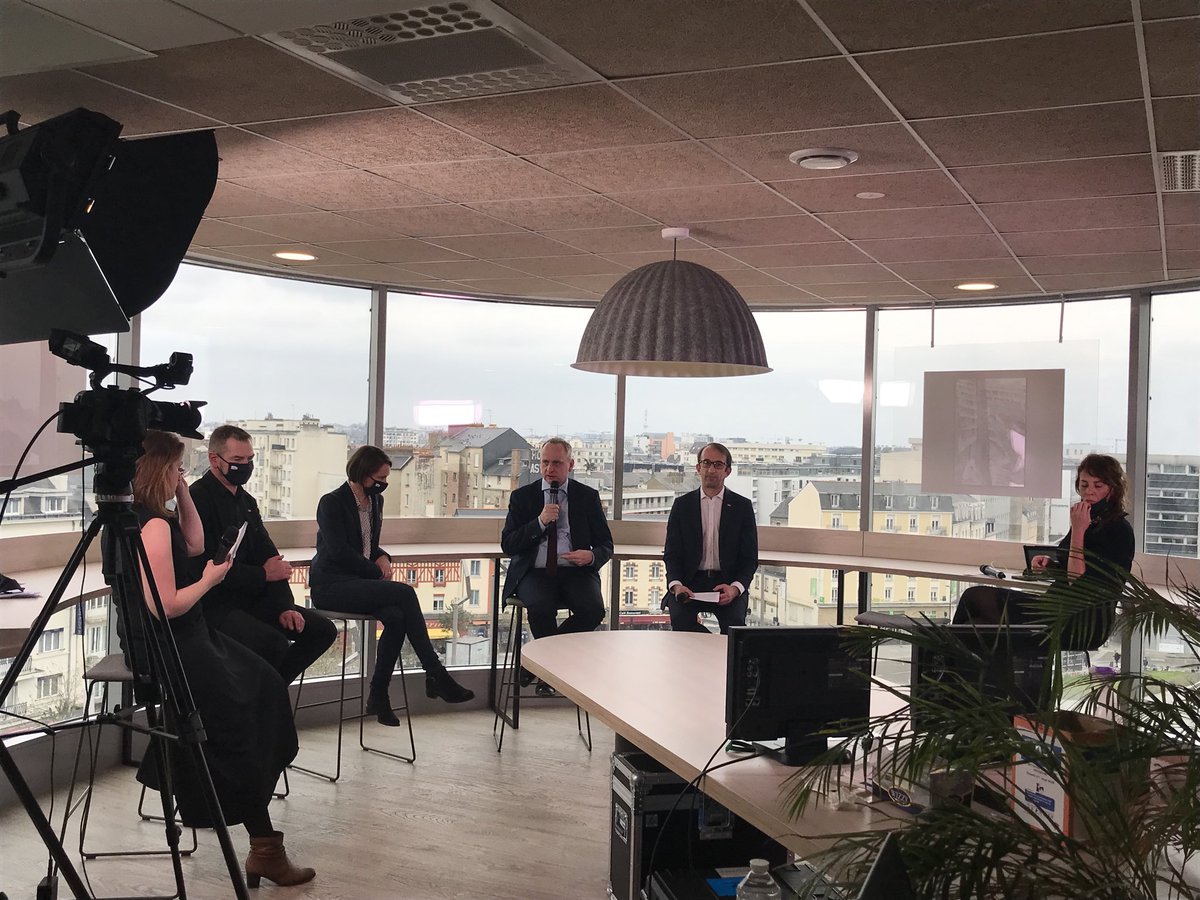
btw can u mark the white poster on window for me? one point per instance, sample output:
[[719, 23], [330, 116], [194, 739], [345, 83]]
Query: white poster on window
[[995, 433]]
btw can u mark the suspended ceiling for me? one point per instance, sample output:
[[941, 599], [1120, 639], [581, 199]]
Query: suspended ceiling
[[1013, 141]]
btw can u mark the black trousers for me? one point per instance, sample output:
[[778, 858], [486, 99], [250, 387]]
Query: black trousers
[[290, 652], [396, 606], [683, 613], [574, 588]]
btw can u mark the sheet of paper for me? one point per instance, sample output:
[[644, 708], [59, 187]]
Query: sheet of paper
[[241, 534], [707, 596]]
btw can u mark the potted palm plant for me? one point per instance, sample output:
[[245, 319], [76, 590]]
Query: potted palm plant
[[1132, 781]]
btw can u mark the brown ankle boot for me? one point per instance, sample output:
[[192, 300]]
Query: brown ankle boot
[[269, 860]]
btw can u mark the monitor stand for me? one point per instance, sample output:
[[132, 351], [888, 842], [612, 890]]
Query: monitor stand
[[796, 751]]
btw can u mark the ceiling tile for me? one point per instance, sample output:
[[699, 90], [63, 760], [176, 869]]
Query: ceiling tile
[[959, 269], [574, 118], [619, 39], [1183, 259], [913, 23], [971, 246], [311, 227], [865, 290], [242, 80], [1181, 209], [1088, 282], [1177, 122], [462, 269], [1091, 263], [400, 250], [1171, 57], [559, 266], [799, 229], [880, 148], [834, 253], [781, 293], [684, 164], [1102, 129], [513, 245], [746, 278], [947, 289], [263, 253], [377, 138], [215, 233], [518, 287], [1056, 215], [1188, 274], [561, 212], [431, 221], [598, 284], [647, 238], [43, 95], [1183, 237], [1164, 9], [1064, 69], [902, 189], [244, 155], [504, 178], [234, 200], [713, 259], [683, 206], [1080, 178], [803, 276], [1091, 240], [898, 223], [787, 97], [376, 273], [345, 189], [131, 21]]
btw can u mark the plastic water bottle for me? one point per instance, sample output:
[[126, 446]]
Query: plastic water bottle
[[759, 885]]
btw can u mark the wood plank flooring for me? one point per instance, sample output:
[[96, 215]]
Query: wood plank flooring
[[463, 822]]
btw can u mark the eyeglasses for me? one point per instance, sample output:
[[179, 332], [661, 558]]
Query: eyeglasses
[[711, 464]]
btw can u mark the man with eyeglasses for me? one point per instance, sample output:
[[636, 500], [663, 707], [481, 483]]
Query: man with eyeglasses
[[712, 548], [558, 538], [254, 604]]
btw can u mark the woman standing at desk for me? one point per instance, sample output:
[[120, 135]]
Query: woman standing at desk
[[351, 573], [1098, 549]]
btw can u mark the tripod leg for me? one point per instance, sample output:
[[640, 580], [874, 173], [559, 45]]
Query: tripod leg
[[172, 831]]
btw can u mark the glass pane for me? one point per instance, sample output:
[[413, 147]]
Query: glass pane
[[285, 360]]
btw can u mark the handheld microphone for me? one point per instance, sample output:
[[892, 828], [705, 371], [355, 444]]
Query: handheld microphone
[[228, 539], [554, 492], [992, 571]]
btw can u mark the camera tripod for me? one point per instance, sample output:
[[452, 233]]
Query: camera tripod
[[159, 679]]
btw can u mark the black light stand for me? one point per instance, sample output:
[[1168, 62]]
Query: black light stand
[[158, 674]]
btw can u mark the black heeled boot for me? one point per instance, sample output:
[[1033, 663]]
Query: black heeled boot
[[440, 684], [379, 705]]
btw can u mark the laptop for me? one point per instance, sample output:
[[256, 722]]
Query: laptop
[[1034, 550]]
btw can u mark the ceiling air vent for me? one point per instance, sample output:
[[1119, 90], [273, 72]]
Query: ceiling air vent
[[440, 52], [1180, 171]]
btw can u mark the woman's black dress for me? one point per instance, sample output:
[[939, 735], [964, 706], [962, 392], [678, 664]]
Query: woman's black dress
[[243, 704]]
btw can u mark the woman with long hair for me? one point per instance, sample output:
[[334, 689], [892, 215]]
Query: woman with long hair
[[242, 701], [351, 573], [1092, 560]]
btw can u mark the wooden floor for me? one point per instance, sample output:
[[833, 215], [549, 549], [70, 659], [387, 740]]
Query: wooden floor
[[463, 822]]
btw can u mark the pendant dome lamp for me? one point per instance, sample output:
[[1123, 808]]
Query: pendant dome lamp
[[672, 319]]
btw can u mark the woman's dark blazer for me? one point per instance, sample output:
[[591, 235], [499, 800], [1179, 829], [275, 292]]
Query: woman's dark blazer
[[339, 554]]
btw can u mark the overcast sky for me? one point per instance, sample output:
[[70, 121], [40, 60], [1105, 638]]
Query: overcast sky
[[264, 345]]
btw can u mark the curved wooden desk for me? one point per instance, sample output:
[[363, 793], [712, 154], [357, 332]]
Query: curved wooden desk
[[665, 692]]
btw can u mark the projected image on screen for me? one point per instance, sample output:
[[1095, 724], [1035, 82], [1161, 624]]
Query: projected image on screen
[[990, 431], [994, 433]]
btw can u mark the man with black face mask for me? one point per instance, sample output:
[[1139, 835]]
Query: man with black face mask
[[254, 604]]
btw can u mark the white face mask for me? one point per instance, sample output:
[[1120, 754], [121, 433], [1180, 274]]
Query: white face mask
[[172, 504]]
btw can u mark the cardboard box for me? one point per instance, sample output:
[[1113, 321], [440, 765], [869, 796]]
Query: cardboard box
[[1033, 786]]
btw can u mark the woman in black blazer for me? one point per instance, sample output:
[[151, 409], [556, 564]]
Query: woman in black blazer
[[351, 573]]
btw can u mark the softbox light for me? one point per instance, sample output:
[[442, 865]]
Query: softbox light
[[93, 227]]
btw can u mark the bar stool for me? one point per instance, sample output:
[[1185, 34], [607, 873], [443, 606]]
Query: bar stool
[[365, 620], [508, 690], [112, 670]]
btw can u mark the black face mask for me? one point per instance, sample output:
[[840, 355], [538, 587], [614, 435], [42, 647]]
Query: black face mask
[[238, 473], [1100, 508], [376, 489]]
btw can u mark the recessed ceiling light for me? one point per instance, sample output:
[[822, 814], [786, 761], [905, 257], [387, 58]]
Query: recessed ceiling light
[[823, 158], [975, 286], [870, 195], [294, 256]]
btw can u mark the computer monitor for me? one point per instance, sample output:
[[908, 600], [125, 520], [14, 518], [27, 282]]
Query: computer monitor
[[795, 684], [1003, 663], [888, 877]]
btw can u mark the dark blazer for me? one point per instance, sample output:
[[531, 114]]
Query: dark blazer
[[738, 540], [339, 555], [523, 533]]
